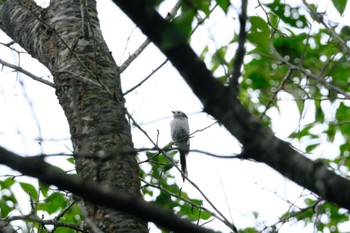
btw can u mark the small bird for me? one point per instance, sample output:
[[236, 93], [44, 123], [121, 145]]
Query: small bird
[[180, 131]]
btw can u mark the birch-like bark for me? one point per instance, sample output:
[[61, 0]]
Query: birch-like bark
[[66, 38]]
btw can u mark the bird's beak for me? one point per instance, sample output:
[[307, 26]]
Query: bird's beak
[[173, 112]]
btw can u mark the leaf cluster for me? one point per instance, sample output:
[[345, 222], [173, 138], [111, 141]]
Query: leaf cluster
[[160, 186], [50, 209]]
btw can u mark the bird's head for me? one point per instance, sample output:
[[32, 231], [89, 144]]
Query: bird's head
[[179, 114]]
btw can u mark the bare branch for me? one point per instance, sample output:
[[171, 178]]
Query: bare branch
[[63, 212], [285, 79], [307, 73], [90, 222], [181, 198], [23, 71], [239, 56], [319, 18], [144, 45], [145, 79], [33, 218], [147, 41], [44, 222], [217, 156]]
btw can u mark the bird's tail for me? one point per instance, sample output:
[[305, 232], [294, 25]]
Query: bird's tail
[[183, 164]]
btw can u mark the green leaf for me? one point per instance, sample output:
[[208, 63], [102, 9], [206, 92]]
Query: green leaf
[[71, 160], [339, 71], [180, 32], [305, 215], [204, 53], [218, 58], [203, 5], [274, 20], [288, 14], [259, 33], [224, 4], [30, 189], [184, 22], [345, 32], [6, 183], [331, 131], [165, 201], [340, 5], [53, 203], [194, 213], [319, 114], [195, 5], [343, 115], [311, 147], [304, 132], [248, 230], [4, 209], [8, 202], [205, 215], [44, 188], [222, 79]]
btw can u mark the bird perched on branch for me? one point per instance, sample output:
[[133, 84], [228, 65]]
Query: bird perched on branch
[[180, 131]]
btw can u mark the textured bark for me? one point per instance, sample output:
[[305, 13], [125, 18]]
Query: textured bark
[[66, 38], [258, 142], [6, 227]]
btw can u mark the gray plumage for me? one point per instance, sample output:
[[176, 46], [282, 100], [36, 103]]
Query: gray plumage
[[180, 131]]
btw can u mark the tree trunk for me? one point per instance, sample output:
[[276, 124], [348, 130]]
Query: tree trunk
[[66, 38]]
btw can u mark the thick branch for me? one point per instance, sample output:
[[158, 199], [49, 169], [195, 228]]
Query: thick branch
[[259, 142], [17, 17], [98, 194]]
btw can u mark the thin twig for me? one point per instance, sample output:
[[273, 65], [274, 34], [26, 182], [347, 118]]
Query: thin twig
[[90, 222], [201, 130], [145, 79], [281, 87], [307, 73], [239, 56], [23, 71], [44, 222], [144, 45], [224, 192], [225, 220], [217, 156], [172, 13], [319, 18], [63, 212], [180, 198]]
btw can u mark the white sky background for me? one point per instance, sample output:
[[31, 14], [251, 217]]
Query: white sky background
[[247, 186]]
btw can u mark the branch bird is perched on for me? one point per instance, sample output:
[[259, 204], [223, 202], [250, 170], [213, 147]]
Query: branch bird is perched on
[[180, 131]]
